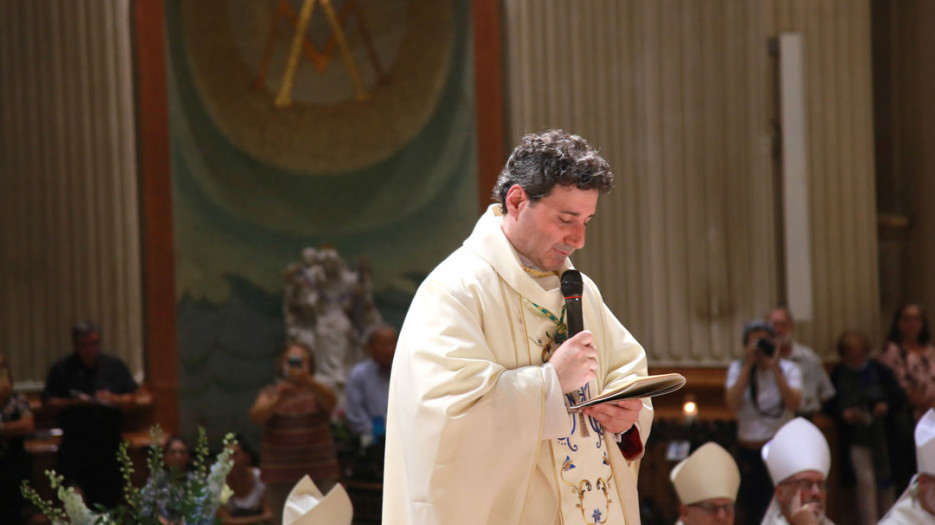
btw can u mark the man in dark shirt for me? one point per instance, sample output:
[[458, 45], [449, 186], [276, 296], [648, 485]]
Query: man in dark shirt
[[90, 390]]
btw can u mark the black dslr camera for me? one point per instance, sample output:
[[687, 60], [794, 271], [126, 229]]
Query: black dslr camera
[[766, 346]]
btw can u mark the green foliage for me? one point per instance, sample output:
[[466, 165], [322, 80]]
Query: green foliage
[[45, 506], [190, 498]]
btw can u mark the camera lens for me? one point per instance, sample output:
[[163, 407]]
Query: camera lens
[[766, 346]]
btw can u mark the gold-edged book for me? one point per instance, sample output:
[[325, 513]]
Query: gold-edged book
[[648, 386]]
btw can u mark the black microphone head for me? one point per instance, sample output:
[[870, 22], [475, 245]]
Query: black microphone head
[[572, 285]]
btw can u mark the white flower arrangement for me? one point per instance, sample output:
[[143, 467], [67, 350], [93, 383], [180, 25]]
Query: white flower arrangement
[[167, 497]]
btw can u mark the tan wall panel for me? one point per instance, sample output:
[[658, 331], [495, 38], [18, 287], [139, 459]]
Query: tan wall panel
[[69, 226], [679, 97], [843, 209]]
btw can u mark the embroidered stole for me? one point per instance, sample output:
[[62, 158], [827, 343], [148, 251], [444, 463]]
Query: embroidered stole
[[583, 470]]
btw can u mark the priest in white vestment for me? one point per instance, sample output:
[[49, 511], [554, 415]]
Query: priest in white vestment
[[798, 460], [917, 504], [478, 430], [706, 483]]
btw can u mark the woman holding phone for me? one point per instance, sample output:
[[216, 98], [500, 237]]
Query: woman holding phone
[[295, 414]]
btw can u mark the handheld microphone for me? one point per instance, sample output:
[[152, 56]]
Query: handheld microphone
[[572, 288]]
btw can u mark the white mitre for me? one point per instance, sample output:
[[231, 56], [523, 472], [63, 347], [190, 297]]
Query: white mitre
[[306, 505], [710, 472], [797, 446], [925, 443]]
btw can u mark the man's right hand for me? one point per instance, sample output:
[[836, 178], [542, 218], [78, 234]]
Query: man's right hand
[[575, 361]]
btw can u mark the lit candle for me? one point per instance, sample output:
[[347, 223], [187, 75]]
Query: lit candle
[[690, 409]]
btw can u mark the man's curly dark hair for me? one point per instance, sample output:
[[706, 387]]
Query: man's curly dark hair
[[543, 160]]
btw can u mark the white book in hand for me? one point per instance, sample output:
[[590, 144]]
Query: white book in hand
[[647, 386]]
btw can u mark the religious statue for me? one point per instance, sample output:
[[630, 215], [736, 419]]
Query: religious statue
[[329, 307]]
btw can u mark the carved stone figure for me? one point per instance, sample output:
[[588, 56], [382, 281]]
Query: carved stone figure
[[328, 307]]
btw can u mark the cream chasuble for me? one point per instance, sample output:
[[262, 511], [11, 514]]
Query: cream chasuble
[[466, 425]]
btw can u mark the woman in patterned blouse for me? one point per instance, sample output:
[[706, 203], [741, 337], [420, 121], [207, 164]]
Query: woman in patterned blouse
[[911, 356], [295, 414]]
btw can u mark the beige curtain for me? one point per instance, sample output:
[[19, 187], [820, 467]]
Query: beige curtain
[[69, 218], [681, 98]]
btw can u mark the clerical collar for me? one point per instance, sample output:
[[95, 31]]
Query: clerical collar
[[535, 272], [530, 267]]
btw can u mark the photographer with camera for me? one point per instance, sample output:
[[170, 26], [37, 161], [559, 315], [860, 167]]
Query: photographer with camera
[[765, 390], [295, 414]]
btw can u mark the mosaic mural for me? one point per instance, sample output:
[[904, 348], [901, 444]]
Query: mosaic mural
[[292, 127]]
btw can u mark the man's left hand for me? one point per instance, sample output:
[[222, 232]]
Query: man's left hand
[[616, 417]]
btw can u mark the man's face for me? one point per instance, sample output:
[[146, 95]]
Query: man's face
[[88, 348], [548, 231], [715, 511], [782, 324], [810, 485], [855, 352], [382, 347]]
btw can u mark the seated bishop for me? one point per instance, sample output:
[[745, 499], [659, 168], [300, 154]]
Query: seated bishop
[[706, 483], [917, 504], [798, 460]]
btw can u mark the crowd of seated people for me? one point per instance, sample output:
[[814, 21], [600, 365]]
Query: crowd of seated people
[[875, 400], [798, 460], [88, 393]]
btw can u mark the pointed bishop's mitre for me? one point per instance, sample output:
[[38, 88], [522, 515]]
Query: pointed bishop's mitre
[[306, 505], [925, 443], [797, 446], [710, 472]]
